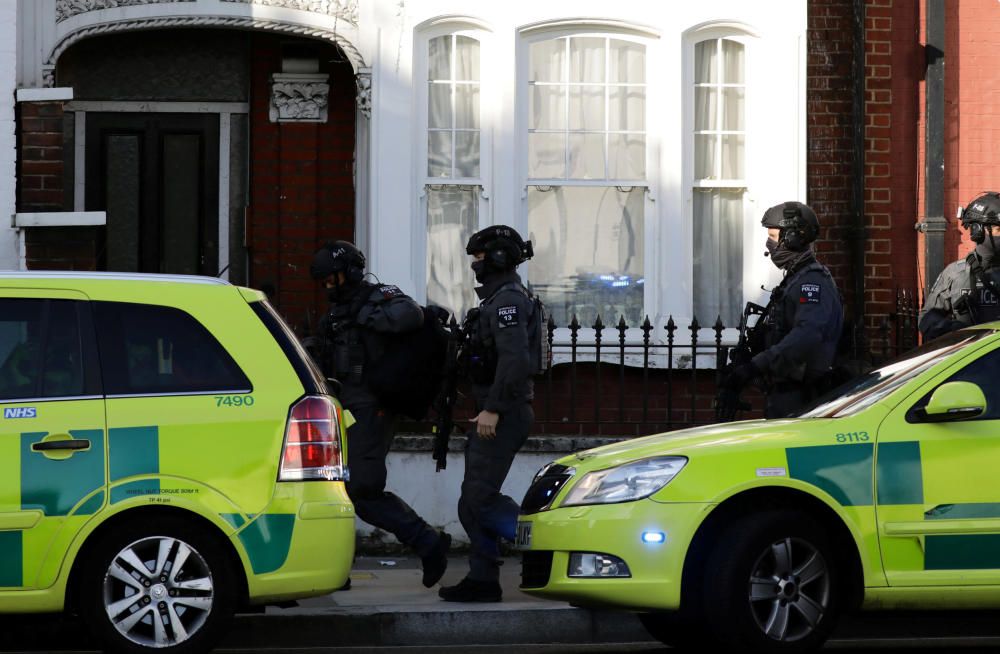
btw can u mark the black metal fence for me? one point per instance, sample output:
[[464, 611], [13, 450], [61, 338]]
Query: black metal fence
[[623, 380]]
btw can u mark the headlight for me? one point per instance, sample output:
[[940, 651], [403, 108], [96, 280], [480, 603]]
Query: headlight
[[632, 481]]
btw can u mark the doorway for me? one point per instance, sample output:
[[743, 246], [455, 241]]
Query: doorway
[[157, 177]]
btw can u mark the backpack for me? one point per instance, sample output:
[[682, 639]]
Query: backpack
[[409, 371]]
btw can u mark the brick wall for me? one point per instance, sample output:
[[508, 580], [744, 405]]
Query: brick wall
[[40, 165], [829, 132], [302, 186], [42, 187], [893, 67], [972, 136]]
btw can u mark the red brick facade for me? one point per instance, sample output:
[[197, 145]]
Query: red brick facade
[[301, 185], [41, 187]]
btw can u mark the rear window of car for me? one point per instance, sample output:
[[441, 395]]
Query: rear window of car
[[42, 350], [152, 350]]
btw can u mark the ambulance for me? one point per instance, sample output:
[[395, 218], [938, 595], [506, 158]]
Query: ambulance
[[169, 454], [756, 535]]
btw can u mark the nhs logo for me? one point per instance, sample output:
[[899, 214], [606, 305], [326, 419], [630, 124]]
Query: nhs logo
[[20, 412]]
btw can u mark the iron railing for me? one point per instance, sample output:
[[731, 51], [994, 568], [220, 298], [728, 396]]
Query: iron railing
[[621, 380]]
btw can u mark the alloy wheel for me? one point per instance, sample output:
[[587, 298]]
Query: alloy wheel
[[789, 590], [158, 592]]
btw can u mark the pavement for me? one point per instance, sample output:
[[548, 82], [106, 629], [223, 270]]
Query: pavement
[[387, 606]]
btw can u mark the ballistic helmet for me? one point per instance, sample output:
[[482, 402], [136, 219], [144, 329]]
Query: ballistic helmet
[[503, 246], [984, 210], [338, 256], [797, 222]]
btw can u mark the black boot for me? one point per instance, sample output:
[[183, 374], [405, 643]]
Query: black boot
[[436, 562], [471, 590]]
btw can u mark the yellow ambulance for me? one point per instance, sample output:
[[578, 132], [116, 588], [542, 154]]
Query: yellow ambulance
[[756, 535], [168, 454]]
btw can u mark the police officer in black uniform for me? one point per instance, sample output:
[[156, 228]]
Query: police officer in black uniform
[[361, 315], [967, 292], [497, 352], [804, 316]]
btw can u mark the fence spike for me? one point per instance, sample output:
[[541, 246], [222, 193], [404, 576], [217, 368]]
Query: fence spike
[[718, 327], [647, 327]]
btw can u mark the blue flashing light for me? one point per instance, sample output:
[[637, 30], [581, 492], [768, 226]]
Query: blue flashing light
[[653, 537]]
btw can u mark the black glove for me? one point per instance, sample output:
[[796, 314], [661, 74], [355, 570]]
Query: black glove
[[741, 375]]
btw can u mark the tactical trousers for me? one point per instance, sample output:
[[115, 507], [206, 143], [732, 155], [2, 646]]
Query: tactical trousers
[[368, 442], [487, 514]]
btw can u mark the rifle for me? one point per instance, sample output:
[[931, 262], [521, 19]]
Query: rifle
[[444, 404], [727, 399]]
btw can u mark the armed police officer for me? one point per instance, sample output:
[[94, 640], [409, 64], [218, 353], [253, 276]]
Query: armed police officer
[[362, 315], [498, 353], [967, 291], [803, 319]]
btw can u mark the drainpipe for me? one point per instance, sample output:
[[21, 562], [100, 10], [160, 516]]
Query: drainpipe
[[934, 223], [857, 233]]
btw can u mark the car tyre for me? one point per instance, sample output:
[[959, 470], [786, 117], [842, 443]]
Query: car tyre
[[162, 585], [678, 630], [772, 584]]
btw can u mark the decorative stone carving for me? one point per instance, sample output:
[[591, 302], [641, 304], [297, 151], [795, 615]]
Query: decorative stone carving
[[346, 10], [237, 22], [364, 99], [299, 98], [69, 8]]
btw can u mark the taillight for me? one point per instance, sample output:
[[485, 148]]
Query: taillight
[[312, 442]]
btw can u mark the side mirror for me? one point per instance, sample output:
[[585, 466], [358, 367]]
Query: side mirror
[[953, 401]]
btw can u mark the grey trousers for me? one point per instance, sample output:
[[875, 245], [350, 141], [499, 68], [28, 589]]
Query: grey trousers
[[486, 514], [368, 442]]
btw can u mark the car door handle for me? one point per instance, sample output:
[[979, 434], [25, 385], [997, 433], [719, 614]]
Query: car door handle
[[70, 444]]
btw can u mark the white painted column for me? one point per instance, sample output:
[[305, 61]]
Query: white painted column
[[8, 72]]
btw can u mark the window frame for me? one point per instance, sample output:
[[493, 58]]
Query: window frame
[[422, 182], [652, 248]]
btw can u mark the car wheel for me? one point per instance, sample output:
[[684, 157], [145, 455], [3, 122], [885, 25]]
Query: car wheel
[[162, 585], [772, 584]]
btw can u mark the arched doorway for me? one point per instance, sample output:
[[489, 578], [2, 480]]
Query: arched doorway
[[213, 151]]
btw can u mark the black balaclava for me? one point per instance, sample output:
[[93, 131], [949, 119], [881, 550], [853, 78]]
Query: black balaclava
[[782, 256], [482, 270]]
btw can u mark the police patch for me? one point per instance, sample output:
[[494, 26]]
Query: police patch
[[390, 291], [809, 294], [507, 316]]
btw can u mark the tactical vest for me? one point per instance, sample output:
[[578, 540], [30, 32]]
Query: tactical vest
[[983, 291], [479, 354], [776, 323]]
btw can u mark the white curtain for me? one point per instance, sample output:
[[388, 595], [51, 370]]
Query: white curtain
[[718, 255], [452, 217]]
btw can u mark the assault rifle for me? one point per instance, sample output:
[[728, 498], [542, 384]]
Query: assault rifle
[[751, 341], [444, 404]]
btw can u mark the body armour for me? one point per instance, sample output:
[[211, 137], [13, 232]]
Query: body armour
[[497, 349], [802, 327], [964, 294], [356, 328]]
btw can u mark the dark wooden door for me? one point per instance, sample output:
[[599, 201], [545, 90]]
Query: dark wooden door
[[157, 177]]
